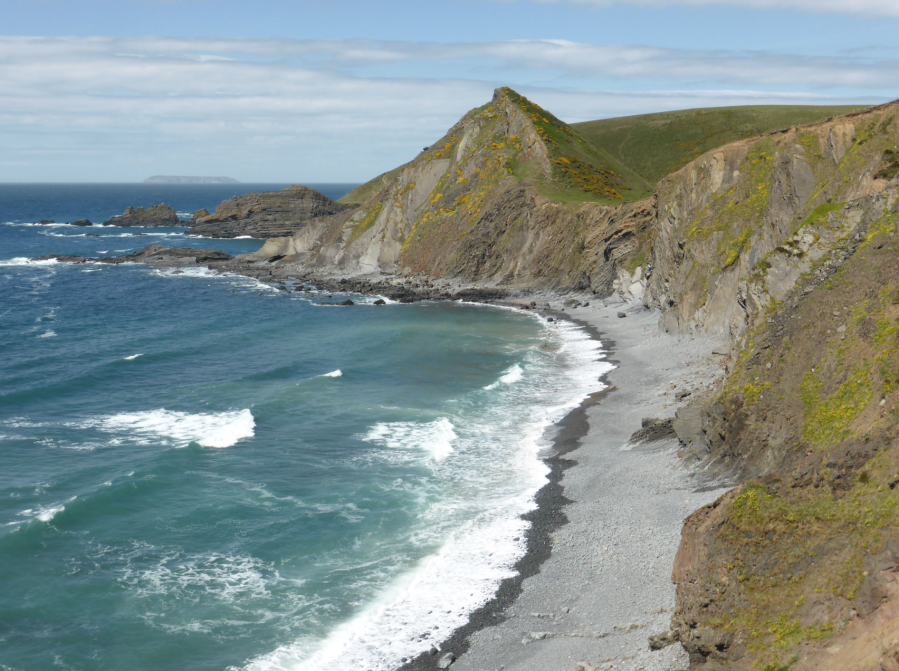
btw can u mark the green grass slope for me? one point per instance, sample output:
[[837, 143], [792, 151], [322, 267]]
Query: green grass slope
[[655, 145], [580, 170], [364, 192]]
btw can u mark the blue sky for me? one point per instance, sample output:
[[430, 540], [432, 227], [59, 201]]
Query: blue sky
[[314, 91]]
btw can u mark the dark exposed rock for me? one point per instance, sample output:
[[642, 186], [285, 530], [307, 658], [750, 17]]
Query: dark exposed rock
[[82, 222], [660, 641], [158, 215], [272, 214], [380, 301], [45, 222], [653, 430], [156, 255]]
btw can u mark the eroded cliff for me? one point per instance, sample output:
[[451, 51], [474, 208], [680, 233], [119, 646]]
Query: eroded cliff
[[788, 245], [509, 196]]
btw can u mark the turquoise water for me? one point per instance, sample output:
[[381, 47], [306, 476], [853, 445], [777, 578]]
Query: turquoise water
[[202, 472]]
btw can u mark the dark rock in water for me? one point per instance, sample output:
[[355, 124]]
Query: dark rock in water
[[44, 222], [433, 651], [653, 430], [62, 258], [380, 301], [82, 222], [158, 215], [622, 315], [446, 661], [137, 234], [92, 235], [347, 302], [272, 214], [550, 319]]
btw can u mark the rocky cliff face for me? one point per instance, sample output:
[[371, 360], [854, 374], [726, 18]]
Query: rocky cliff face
[[722, 220], [788, 244], [158, 215], [476, 206], [264, 215]]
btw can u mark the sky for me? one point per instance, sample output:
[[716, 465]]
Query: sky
[[313, 91]]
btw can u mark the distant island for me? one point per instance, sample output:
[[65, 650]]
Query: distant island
[[168, 179]]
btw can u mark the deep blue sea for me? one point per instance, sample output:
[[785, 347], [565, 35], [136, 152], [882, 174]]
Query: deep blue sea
[[202, 472]]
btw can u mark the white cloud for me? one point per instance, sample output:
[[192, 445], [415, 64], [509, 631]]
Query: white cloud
[[124, 108], [870, 8]]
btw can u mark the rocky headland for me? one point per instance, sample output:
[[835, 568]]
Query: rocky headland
[[767, 268], [158, 215], [272, 214]]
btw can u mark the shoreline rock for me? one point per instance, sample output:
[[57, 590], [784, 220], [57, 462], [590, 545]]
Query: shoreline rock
[[159, 215]]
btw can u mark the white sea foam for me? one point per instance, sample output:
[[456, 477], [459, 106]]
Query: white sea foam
[[132, 357], [434, 437], [491, 481], [47, 334], [25, 261], [333, 373], [45, 513], [176, 575], [512, 375], [215, 429]]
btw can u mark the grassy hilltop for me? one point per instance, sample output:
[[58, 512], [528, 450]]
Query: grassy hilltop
[[655, 145], [622, 159]]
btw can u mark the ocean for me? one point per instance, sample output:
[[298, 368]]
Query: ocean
[[202, 472]]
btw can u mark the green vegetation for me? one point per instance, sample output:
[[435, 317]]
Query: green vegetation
[[580, 171], [655, 145], [890, 167], [367, 221], [362, 194], [827, 420], [821, 213], [789, 546]]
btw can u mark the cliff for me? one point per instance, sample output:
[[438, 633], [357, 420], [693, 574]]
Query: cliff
[[788, 245], [509, 196], [264, 215]]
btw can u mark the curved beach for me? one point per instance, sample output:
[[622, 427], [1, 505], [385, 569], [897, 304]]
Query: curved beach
[[605, 585]]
